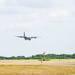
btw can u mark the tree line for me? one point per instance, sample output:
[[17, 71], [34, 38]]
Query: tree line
[[41, 56]]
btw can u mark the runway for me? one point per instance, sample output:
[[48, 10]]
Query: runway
[[35, 62]]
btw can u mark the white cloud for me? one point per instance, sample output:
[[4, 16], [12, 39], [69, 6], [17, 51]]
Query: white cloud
[[57, 14], [34, 3], [32, 13], [1, 1], [10, 2]]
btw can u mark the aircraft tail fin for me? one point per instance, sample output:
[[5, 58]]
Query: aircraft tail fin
[[24, 34]]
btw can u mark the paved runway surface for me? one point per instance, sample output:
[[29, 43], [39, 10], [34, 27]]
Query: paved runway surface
[[20, 62]]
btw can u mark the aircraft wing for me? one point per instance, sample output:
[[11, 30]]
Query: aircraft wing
[[34, 37], [20, 36]]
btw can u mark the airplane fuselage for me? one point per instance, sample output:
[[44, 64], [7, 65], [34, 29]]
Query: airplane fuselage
[[27, 38]]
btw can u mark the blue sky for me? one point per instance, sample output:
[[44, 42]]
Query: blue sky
[[53, 20]]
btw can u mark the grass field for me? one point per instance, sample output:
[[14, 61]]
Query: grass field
[[8, 67], [37, 70]]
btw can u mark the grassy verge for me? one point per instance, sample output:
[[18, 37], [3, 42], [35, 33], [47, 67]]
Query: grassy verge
[[37, 70]]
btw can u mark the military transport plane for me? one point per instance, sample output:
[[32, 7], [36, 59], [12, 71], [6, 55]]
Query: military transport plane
[[26, 38]]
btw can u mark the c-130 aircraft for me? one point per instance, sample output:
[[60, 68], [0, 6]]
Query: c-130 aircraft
[[26, 38]]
